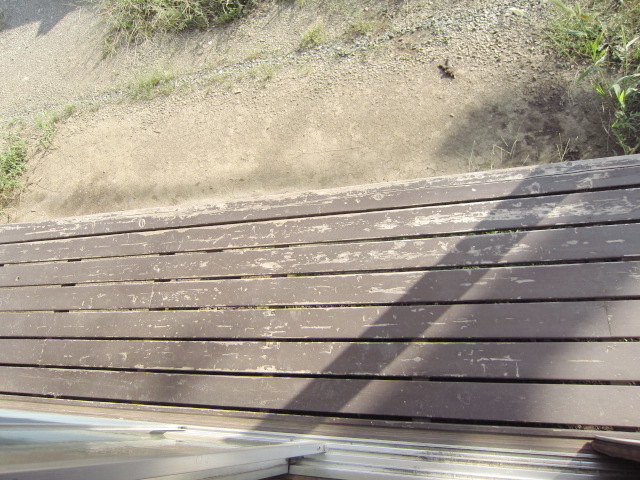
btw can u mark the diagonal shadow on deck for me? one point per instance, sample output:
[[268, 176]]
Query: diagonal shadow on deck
[[341, 395]]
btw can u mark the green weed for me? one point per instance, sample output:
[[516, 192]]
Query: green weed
[[130, 21], [315, 35], [606, 35], [593, 29], [624, 93], [46, 123], [151, 84], [229, 16], [22, 137], [13, 157], [263, 73], [216, 81], [360, 28], [255, 54], [68, 110]]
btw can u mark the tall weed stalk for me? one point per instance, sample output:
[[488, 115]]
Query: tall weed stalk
[[605, 35]]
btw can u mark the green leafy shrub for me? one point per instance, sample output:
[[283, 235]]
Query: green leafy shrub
[[606, 35]]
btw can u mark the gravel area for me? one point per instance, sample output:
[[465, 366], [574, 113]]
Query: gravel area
[[251, 113]]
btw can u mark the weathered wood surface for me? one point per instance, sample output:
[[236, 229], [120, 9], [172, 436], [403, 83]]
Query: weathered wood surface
[[567, 244], [543, 403], [542, 282], [569, 361], [511, 214], [548, 320], [538, 180], [624, 319], [506, 296]]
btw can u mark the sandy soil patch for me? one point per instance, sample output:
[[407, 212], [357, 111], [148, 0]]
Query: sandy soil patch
[[250, 113]]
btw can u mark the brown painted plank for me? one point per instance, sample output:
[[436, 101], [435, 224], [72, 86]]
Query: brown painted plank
[[573, 281], [624, 319], [568, 176], [566, 404], [605, 361], [509, 321], [586, 243], [557, 210]]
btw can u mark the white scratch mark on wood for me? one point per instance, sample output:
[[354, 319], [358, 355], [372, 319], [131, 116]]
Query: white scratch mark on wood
[[393, 291], [416, 359], [387, 225], [506, 358], [270, 265]]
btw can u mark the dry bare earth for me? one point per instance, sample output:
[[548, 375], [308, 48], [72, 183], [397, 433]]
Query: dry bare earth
[[253, 114]]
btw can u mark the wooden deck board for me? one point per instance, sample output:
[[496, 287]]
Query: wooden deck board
[[568, 361], [506, 297], [546, 320], [566, 244], [501, 284], [526, 181], [510, 214], [501, 402]]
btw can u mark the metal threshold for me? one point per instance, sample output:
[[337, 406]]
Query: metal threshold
[[239, 462], [48, 446]]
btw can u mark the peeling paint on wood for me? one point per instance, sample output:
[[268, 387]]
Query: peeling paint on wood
[[569, 361], [555, 210], [584, 320], [591, 280], [567, 176], [396, 300], [575, 404]]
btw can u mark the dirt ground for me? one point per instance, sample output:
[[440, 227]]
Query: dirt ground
[[250, 113]]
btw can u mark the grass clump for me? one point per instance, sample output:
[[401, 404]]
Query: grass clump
[[263, 73], [314, 35], [605, 36], [360, 28], [46, 123], [22, 138], [13, 158], [131, 21], [151, 84]]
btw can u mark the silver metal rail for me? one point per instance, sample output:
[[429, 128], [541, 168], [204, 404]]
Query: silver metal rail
[[237, 460], [365, 459], [175, 452]]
